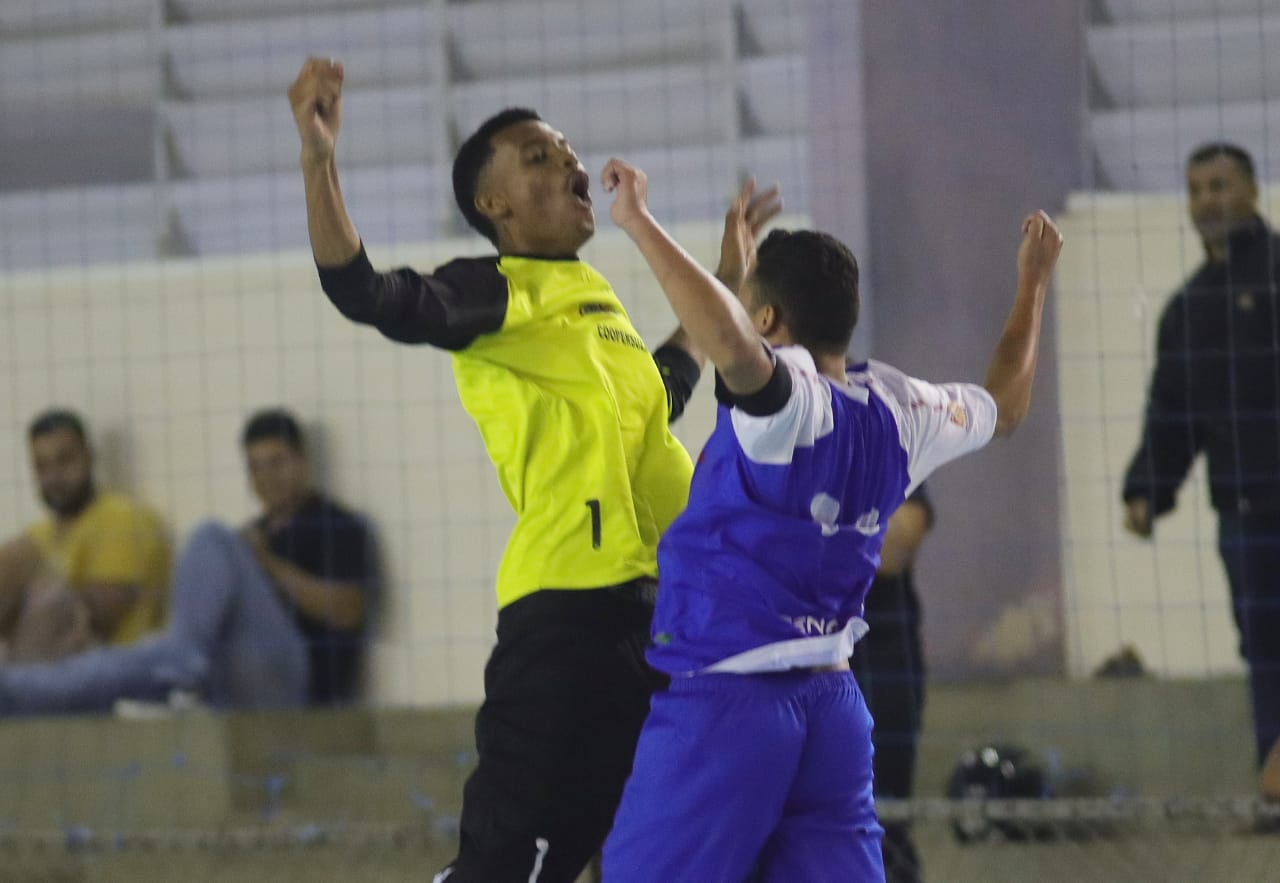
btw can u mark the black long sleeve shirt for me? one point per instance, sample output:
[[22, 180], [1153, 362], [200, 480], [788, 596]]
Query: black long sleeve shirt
[[1216, 384], [452, 306]]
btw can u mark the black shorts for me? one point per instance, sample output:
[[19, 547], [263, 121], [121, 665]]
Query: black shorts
[[566, 692]]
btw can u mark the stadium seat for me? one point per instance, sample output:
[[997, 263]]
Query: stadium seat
[[1166, 77], [116, 67], [769, 87], [46, 17], [267, 212], [261, 57], [1147, 148], [80, 226], [770, 28], [656, 81], [1176, 10], [1199, 61], [633, 109], [245, 136], [491, 39]]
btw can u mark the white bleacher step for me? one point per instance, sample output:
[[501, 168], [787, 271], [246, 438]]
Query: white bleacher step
[[774, 90], [78, 226], [645, 107], [117, 66], [504, 39], [1187, 62], [78, 247], [772, 28], [1147, 149], [1179, 10], [603, 18], [242, 10], [414, 203], [22, 18], [267, 212], [261, 57], [491, 55], [696, 183], [245, 136], [782, 160], [393, 204], [409, 204]]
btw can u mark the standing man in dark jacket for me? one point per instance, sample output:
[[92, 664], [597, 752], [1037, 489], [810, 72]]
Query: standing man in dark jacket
[[1216, 389]]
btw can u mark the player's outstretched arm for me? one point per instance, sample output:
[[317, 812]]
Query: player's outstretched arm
[[744, 221], [1013, 364], [709, 313], [746, 217], [316, 99]]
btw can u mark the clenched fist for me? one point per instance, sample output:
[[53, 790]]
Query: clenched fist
[[316, 98], [630, 187], [1041, 245]]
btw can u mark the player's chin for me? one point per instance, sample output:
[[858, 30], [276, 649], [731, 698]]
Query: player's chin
[[575, 222], [1211, 228], [585, 222]]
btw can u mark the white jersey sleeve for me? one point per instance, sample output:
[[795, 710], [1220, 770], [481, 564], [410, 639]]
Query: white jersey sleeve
[[936, 422], [805, 417]]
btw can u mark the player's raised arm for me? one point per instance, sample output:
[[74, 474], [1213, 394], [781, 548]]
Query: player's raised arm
[[744, 220], [316, 99], [747, 216], [1013, 363], [716, 323]]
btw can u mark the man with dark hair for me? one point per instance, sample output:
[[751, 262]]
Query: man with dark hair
[[318, 555], [273, 423], [757, 758], [56, 419], [1214, 150], [472, 160], [574, 412], [94, 571], [1215, 390], [271, 616], [820, 320]]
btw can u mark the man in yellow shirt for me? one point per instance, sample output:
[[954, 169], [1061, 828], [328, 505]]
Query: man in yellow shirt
[[93, 571]]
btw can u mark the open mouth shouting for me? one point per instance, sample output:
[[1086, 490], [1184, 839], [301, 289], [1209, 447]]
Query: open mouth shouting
[[580, 186]]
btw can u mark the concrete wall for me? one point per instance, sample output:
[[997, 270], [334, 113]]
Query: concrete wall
[[973, 118]]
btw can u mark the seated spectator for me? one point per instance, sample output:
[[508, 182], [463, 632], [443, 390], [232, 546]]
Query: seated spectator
[[268, 616], [94, 571], [319, 556]]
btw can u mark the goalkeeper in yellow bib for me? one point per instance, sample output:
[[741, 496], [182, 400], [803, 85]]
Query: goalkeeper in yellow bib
[[574, 413]]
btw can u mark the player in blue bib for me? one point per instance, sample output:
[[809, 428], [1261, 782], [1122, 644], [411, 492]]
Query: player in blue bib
[[757, 759]]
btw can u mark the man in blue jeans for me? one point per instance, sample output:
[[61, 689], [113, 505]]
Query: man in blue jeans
[[1215, 390], [270, 616]]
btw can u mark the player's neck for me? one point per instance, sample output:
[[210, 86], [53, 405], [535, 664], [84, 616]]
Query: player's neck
[[539, 249], [828, 364], [281, 514], [832, 366], [67, 515]]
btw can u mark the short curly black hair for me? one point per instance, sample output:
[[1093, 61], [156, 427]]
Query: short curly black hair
[[274, 423], [811, 279], [473, 156], [56, 419], [1215, 149]]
